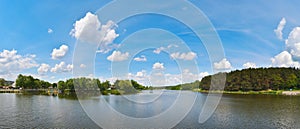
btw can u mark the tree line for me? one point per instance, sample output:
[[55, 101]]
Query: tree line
[[252, 79], [28, 82], [82, 84]]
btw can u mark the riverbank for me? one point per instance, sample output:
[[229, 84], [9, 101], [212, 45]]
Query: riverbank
[[10, 91], [291, 93], [268, 92], [28, 90]]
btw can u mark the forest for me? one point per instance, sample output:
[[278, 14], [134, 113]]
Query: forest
[[252, 79], [257, 79]]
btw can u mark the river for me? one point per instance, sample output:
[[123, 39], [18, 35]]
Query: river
[[234, 111]]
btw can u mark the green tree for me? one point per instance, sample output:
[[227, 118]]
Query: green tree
[[2, 82], [20, 81], [124, 86], [61, 86]]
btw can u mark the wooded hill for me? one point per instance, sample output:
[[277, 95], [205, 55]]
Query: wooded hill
[[252, 79]]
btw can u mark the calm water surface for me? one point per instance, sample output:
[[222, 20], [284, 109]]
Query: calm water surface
[[234, 111]]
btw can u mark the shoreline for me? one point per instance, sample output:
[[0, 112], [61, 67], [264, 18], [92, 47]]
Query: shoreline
[[265, 92], [10, 91]]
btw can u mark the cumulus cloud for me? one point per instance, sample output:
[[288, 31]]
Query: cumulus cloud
[[111, 34], [203, 74], [50, 31], [184, 56], [89, 29], [141, 74], [82, 66], [158, 50], [185, 77], [62, 67], [158, 66], [293, 43], [11, 61], [284, 59], [44, 68], [118, 56], [249, 65], [59, 53], [158, 78], [139, 59], [222, 65], [279, 29], [141, 77]]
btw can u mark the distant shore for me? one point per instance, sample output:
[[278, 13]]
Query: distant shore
[[269, 92]]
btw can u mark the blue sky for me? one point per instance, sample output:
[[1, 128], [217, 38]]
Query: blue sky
[[37, 39]]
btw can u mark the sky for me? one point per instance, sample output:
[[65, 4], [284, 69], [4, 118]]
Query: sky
[[39, 38]]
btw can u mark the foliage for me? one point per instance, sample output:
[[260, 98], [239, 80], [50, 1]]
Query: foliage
[[258, 79], [28, 82], [2, 82], [128, 86], [252, 79], [84, 84], [80, 84]]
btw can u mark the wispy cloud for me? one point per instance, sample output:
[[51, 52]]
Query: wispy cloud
[[279, 29]]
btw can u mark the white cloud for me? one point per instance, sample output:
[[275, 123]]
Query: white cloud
[[44, 68], [158, 78], [293, 43], [291, 56], [141, 77], [279, 29], [118, 56], [142, 58], [203, 74], [249, 65], [89, 29], [141, 74], [11, 62], [158, 66], [158, 50], [50, 31], [59, 53], [184, 56], [111, 34], [185, 77], [62, 68], [82, 66], [172, 45], [222, 65], [284, 59], [104, 48]]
